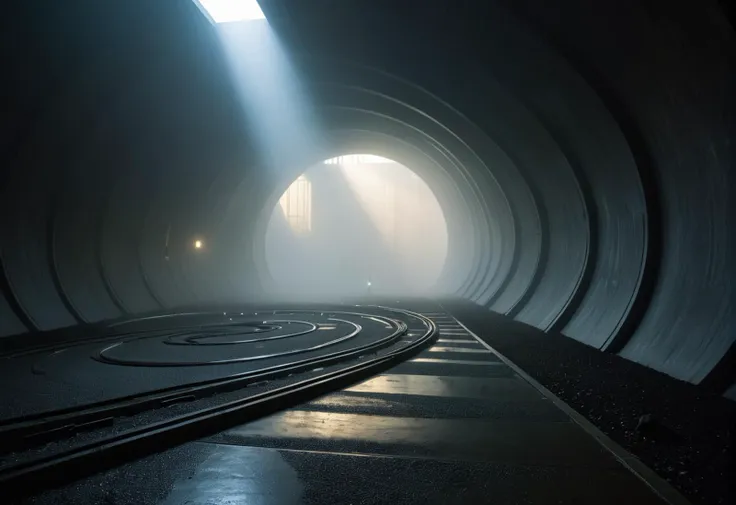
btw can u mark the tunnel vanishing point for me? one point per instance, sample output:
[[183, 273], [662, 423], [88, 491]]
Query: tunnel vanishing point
[[582, 152]]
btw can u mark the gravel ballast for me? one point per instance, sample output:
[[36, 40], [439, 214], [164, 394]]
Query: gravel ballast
[[684, 434]]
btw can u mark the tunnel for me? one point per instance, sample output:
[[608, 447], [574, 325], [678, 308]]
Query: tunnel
[[582, 154], [396, 223]]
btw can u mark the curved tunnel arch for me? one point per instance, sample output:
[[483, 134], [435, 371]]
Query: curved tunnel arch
[[443, 188], [563, 146], [409, 179]]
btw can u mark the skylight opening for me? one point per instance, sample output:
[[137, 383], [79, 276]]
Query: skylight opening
[[228, 11], [358, 159]]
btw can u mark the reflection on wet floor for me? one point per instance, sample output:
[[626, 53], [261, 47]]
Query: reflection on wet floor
[[467, 439], [230, 476], [428, 431], [439, 348], [455, 361], [330, 423], [456, 387], [509, 408], [236, 475]]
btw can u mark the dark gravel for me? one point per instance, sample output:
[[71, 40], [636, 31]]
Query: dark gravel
[[686, 435]]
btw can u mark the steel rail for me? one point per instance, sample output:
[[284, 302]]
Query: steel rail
[[25, 432], [88, 458]]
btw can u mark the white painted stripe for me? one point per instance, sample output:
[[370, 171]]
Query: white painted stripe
[[441, 348], [455, 361], [503, 389]]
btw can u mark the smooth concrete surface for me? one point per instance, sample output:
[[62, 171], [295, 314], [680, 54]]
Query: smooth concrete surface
[[147, 357], [562, 444], [459, 387], [396, 438], [447, 349], [452, 360], [505, 408], [458, 357], [204, 473], [458, 368]]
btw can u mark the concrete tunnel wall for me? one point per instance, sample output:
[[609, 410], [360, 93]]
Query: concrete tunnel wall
[[587, 149]]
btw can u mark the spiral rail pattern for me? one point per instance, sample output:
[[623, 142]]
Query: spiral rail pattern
[[581, 152]]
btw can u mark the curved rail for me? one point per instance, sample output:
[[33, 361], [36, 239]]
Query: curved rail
[[84, 459], [29, 431], [103, 357]]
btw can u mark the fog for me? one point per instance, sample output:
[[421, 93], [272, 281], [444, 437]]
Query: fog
[[356, 225]]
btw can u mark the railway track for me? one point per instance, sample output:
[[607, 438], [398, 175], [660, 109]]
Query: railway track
[[47, 448], [437, 416]]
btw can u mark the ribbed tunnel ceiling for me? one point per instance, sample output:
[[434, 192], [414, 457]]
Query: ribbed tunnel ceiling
[[582, 152]]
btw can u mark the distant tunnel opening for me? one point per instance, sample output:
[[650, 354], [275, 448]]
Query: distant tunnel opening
[[357, 224]]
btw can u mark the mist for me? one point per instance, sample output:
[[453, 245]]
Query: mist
[[356, 225]]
